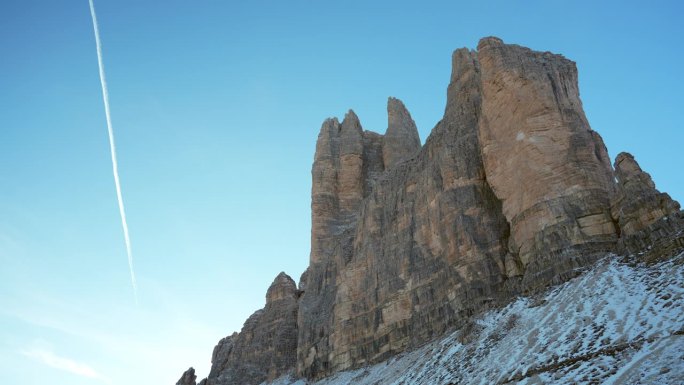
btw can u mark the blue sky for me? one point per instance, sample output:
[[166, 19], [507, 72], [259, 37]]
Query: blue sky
[[216, 106]]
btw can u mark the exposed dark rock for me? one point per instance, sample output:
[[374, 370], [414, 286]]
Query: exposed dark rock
[[188, 378], [401, 138]]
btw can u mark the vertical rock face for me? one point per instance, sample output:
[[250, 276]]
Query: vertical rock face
[[511, 193], [347, 165], [543, 161], [338, 182], [266, 347], [429, 245], [425, 249], [347, 162]]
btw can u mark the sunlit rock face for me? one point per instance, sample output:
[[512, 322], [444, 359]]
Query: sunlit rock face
[[401, 138], [511, 193]]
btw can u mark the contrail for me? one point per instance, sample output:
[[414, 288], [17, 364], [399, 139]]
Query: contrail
[[112, 148]]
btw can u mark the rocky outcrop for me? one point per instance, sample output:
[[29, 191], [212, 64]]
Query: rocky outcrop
[[511, 193], [650, 222], [266, 346], [454, 229], [347, 162], [188, 378], [401, 138], [347, 165], [427, 249]]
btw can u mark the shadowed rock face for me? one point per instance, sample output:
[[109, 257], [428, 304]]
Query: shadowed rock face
[[347, 162], [511, 193], [188, 378], [347, 165]]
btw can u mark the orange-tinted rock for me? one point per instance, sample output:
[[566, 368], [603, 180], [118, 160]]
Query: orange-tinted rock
[[543, 161], [426, 248], [511, 193]]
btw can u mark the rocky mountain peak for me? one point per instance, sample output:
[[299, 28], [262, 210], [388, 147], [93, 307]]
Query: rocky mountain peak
[[628, 171], [401, 138], [489, 41], [283, 287], [188, 378], [650, 222], [513, 192], [351, 124]]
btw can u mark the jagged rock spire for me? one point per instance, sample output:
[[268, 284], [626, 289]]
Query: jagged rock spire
[[283, 287], [630, 175], [401, 139], [339, 180], [638, 203], [351, 125], [266, 347], [188, 378]]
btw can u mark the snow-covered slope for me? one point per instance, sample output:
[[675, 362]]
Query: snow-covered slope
[[615, 324]]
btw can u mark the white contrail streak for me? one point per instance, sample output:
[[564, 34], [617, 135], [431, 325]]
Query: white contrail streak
[[112, 148]]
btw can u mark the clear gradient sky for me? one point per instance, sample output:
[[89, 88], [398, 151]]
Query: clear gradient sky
[[216, 107]]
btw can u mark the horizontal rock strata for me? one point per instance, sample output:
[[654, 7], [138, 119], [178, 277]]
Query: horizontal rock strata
[[549, 169]]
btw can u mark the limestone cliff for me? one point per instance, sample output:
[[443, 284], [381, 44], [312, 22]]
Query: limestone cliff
[[543, 161], [266, 346], [511, 193]]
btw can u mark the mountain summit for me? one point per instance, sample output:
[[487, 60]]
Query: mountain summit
[[512, 193]]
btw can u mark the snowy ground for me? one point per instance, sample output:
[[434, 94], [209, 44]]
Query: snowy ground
[[615, 324]]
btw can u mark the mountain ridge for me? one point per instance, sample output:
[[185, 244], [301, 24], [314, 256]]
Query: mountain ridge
[[511, 193]]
